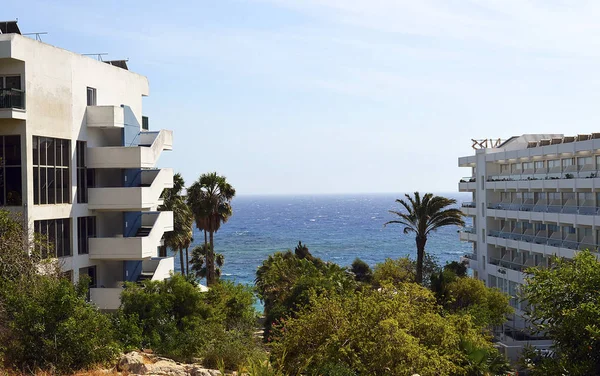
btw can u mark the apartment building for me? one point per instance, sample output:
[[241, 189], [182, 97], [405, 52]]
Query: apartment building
[[533, 197], [79, 163]]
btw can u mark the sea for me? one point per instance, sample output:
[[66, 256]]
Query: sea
[[337, 228]]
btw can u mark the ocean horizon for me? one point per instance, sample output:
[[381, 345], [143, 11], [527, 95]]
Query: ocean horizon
[[335, 227]]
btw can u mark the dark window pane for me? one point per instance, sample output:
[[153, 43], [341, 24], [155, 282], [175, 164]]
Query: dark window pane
[[66, 150], [91, 178], [51, 186], [66, 191], [13, 186], [36, 185], [43, 186], [43, 148], [52, 236], [36, 150], [59, 237], [12, 150], [67, 236], [51, 152], [59, 186], [13, 82]]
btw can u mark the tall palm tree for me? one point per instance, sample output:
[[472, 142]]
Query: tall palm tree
[[423, 216], [181, 236], [199, 268], [210, 201]]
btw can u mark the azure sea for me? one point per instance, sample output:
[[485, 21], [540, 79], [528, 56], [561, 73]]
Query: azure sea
[[337, 228]]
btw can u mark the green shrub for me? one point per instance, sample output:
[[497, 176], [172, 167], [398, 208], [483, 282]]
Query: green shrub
[[232, 349], [48, 324]]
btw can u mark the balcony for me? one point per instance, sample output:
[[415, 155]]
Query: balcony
[[467, 258], [468, 234], [105, 116], [555, 211], [144, 155], [143, 194], [109, 298], [554, 244], [467, 184], [147, 229], [12, 104], [469, 208], [570, 177]]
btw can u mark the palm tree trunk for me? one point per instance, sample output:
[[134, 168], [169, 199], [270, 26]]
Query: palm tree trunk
[[210, 261], [187, 262], [181, 261], [205, 239], [421, 240]]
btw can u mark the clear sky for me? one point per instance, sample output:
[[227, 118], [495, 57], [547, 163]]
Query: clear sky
[[341, 96]]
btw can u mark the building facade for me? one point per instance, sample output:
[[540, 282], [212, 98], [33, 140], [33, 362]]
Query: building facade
[[78, 164], [533, 197]]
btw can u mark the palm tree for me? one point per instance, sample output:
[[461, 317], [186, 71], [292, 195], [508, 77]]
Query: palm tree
[[199, 268], [423, 216], [210, 201], [181, 236]]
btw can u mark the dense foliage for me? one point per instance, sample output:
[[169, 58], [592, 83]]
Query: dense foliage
[[566, 307], [391, 331], [179, 321], [285, 281]]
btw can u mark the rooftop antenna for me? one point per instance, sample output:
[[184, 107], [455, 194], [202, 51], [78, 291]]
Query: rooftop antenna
[[37, 35], [98, 55]]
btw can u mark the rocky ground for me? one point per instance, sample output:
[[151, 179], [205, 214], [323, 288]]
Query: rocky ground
[[139, 363]]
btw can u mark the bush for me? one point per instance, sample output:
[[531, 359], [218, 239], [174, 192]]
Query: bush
[[50, 325], [392, 331]]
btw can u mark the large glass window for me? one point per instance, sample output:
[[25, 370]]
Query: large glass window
[[86, 229], [554, 165], [85, 176], [51, 172], [56, 235], [10, 171]]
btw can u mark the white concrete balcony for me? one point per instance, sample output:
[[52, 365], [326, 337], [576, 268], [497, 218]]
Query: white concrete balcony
[[12, 104], [151, 145], [572, 177], [109, 298], [555, 244], [105, 116], [469, 208], [145, 195], [468, 234], [141, 246], [467, 258], [542, 212], [467, 184]]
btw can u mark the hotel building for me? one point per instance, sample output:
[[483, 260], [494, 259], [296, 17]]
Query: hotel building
[[533, 197], [79, 163]]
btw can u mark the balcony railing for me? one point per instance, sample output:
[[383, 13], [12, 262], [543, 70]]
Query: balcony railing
[[569, 172], [468, 179], [469, 229], [470, 256], [543, 208], [468, 205], [12, 98], [555, 240]]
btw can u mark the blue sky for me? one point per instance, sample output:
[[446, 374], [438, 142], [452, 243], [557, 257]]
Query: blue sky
[[341, 96]]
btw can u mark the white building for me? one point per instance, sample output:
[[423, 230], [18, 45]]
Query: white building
[[534, 197], [79, 161]]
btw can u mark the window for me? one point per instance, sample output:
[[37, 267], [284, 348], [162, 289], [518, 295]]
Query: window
[[539, 166], [85, 176], [585, 163], [10, 82], [515, 168], [51, 172], [504, 169], [91, 273], [567, 162], [91, 96], [86, 229], [10, 171], [56, 235], [527, 165], [554, 165]]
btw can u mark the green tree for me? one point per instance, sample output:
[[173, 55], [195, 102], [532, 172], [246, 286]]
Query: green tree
[[210, 200], [403, 270], [181, 236], [199, 254], [565, 305], [362, 271], [424, 216], [395, 330]]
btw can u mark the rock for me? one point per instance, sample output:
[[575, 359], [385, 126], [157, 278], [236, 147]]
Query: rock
[[136, 363], [133, 362]]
